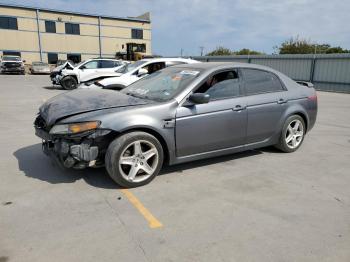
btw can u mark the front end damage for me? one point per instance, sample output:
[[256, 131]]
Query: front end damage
[[78, 151]]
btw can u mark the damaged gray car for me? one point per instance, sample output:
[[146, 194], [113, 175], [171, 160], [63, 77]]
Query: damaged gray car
[[178, 114]]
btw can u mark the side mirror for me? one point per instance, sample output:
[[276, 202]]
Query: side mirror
[[142, 72], [199, 98], [82, 67]]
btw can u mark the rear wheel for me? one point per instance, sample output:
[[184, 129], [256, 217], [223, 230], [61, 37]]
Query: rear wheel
[[134, 159], [292, 135], [69, 83]]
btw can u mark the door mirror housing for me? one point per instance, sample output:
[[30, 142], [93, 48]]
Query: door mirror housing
[[199, 98], [142, 72], [82, 67]]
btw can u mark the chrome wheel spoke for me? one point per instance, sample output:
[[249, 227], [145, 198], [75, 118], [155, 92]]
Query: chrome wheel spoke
[[127, 160], [133, 171], [294, 142], [299, 134], [148, 154], [137, 148], [289, 138], [296, 126], [145, 167]]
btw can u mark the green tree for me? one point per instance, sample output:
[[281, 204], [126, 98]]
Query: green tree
[[225, 51], [246, 51], [220, 51], [295, 45]]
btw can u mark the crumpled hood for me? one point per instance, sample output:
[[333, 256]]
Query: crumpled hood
[[85, 100]]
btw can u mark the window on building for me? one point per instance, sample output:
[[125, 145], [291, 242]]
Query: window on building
[[52, 58], [72, 29], [14, 53], [8, 22], [75, 58], [136, 33], [258, 81], [50, 27]]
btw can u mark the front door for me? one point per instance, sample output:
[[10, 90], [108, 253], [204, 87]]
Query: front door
[[219, 124]]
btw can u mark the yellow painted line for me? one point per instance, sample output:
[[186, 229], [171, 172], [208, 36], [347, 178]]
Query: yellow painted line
[[152, 221]]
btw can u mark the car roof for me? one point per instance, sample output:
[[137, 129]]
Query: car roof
[[169, 59], [211, 66]]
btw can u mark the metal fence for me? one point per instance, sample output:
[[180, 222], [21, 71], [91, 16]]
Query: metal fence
[[328, 72]]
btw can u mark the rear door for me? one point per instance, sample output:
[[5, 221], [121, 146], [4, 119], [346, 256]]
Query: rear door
[[266, 102], [219, 124]]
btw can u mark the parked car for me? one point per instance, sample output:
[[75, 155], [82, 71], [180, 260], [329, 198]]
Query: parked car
[[40, 68], [91, 69], [56, 72], [178, 114], [12, 64], [136, 71]]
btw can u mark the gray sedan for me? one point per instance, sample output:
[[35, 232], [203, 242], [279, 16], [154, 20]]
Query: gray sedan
[[179, 114]]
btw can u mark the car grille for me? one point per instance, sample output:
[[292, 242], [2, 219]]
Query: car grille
[[11, 65], [40, 123]]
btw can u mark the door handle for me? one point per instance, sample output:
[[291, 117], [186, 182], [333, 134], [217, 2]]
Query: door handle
[[281, 101], [238, 108]]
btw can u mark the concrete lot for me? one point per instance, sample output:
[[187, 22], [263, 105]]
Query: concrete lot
[[260, 205]]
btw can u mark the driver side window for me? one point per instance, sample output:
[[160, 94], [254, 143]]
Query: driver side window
[[91, 65], [221, 85]]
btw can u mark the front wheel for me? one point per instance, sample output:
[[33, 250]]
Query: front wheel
[[292, 135], [69, 83], [134, 159]]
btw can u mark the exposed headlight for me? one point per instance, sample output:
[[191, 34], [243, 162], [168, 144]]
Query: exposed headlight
[[74, 128]]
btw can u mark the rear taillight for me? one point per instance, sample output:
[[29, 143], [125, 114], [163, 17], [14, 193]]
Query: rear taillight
[[313, 97]]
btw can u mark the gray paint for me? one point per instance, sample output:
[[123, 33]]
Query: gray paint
[[329, 72], [200, 131]]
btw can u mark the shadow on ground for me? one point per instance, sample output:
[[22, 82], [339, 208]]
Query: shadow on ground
[[53, 87], [35, 164]]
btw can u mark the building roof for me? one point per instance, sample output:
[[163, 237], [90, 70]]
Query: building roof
[[144, 18]]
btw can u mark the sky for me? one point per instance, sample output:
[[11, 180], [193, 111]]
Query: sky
[[235, 24]]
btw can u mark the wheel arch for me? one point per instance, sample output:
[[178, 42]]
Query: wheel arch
[[153, 132]]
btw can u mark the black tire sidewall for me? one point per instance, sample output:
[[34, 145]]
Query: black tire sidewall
[[63, 83], [115, 150], [282, 145]]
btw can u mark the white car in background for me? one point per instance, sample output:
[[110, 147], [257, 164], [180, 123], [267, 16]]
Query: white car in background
[[92, 69], [130, 73]]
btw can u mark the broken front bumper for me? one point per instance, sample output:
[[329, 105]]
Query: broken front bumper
[[79, 151]]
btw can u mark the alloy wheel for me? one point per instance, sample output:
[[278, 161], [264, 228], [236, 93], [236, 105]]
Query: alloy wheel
[[138, 161], [294, 134]]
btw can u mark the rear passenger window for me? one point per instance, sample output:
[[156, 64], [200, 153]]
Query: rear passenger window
[[107, 64], [258, 81], [222, 85]]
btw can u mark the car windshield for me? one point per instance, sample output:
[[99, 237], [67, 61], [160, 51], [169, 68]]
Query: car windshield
[[129, 67], [162, 85], [11, 58]]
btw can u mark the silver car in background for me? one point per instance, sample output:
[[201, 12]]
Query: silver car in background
[[40, 68], [175, 115]]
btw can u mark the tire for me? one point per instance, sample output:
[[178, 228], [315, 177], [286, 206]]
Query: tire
[[69, 83], [292, 135], [137, 159]]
